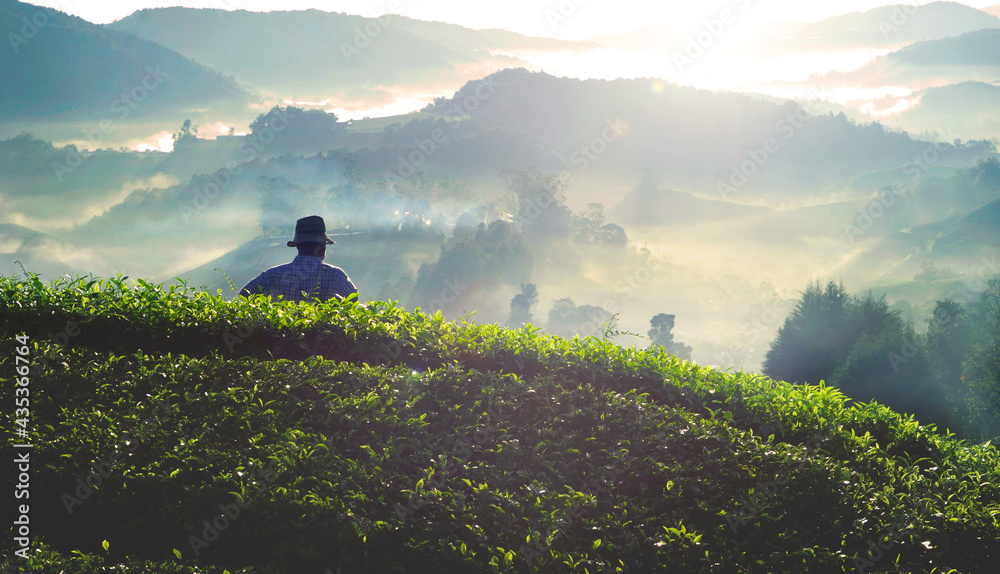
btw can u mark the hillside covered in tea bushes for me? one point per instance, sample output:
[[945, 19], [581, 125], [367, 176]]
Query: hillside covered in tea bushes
[[175, 431]]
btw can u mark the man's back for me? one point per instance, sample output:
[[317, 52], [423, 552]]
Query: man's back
[[305, 278]]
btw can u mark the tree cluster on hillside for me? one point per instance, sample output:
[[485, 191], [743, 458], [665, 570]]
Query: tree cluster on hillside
[[494, 255], [187, 136], [589, 227], [24, 156], [949, 376], [966, 361], [295, 129], [496, 243], [567, 319], [967, 188], [661, 334], [536, 201]]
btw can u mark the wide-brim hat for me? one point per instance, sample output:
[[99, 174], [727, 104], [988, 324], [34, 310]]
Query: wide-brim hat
[[310, 229]]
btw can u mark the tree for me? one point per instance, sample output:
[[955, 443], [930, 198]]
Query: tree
[[585, 226], [981, 367], [521, 304], [885, 364], [611, 235], [187, 135], [536, 201], [814, 339], [293, 128], [946, 344], [566, 319], [859, 345], [661, 333]]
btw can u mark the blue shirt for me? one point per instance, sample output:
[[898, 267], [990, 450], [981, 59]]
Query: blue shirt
[[305, 278]]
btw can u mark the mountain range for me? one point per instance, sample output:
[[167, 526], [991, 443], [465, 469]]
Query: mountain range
[[317, 54], [900, 23], [973, 56], [64, 66]]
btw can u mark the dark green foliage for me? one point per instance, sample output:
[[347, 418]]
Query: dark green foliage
[[814, 339], [476, 449], [861, 346], [949, 376], [946, 343], [885, 364], [981, 367]]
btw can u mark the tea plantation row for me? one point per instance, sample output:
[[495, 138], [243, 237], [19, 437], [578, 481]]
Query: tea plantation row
[[175, 431]]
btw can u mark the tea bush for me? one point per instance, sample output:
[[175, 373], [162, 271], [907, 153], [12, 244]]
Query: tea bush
[[188, 433]]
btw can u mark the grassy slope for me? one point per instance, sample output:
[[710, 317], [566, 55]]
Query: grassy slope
[[415, 445]]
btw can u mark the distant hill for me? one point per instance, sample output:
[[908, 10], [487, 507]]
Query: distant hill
[[318, 54], [72, 68], [970, 110], [13, 236], [901, 23], [680, 130], [981, 227], [36, 251], [958, 242], [974, 56], [650, 205], [691, 138], [978, 48]]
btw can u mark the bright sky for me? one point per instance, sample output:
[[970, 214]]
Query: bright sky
[[570, 19]]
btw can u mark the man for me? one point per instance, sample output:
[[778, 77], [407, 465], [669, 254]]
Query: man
[[306, 277]]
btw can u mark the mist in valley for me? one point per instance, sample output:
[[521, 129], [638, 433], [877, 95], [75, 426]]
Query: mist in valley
[[711, 171]]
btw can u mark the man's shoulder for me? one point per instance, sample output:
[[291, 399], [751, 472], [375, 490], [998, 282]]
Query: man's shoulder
[[332, 268], [278, 268]]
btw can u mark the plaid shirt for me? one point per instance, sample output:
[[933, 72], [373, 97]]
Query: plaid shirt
[[306, 277]]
